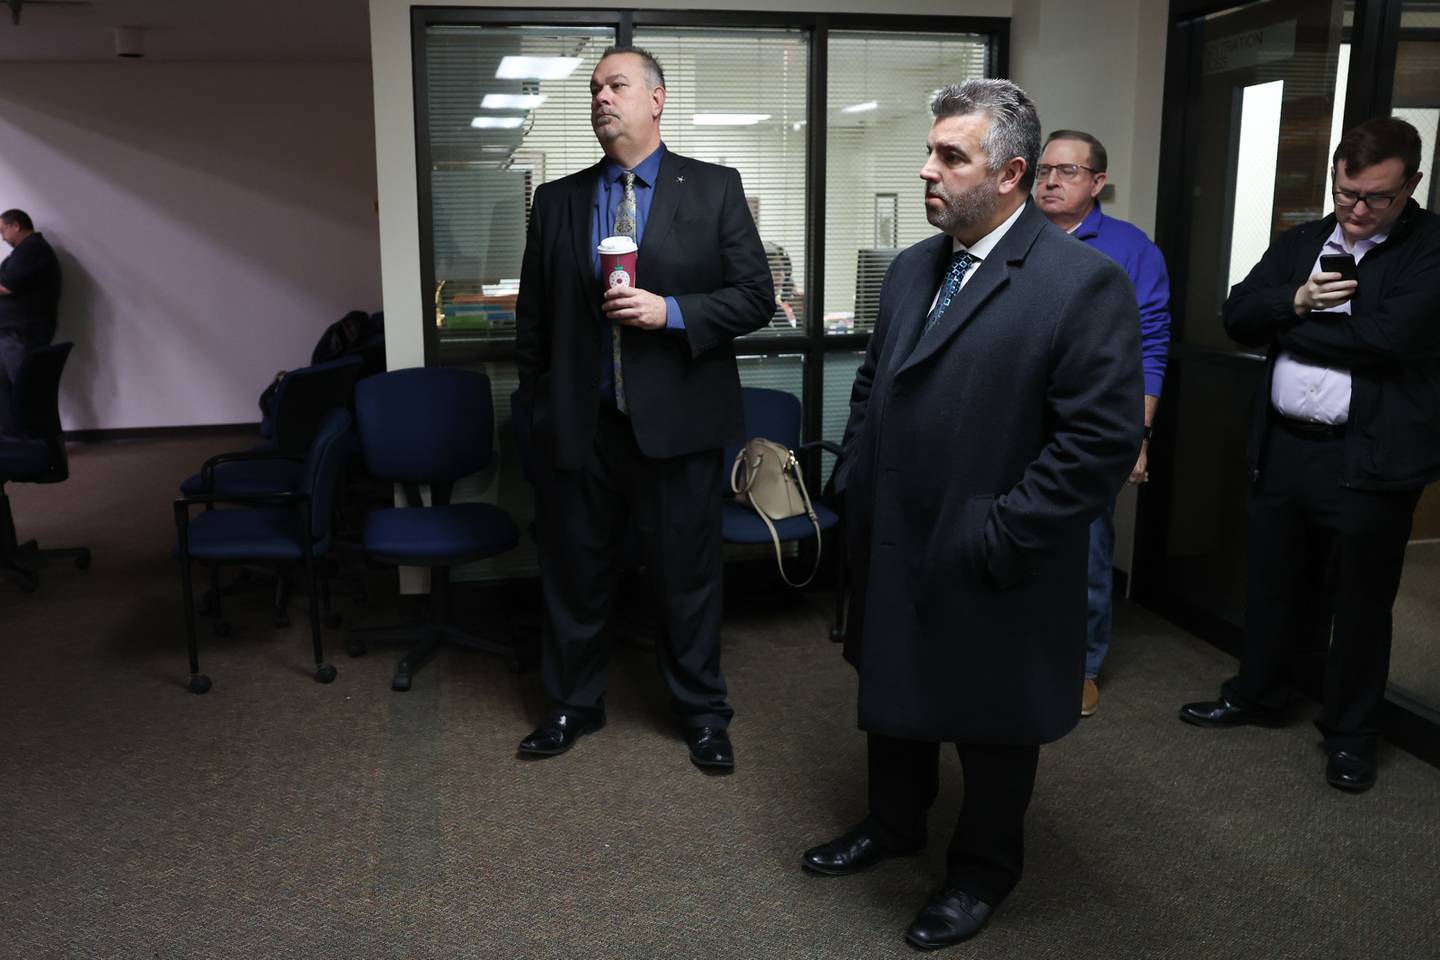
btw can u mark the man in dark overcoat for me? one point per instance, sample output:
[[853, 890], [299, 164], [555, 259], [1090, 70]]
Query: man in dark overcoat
[[997, 410]]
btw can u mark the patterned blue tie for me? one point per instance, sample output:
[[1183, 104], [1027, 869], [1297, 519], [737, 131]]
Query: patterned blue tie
[[624, 227], [960, 261]]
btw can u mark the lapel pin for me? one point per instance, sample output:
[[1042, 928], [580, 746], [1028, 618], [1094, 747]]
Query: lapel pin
[[679, 179]]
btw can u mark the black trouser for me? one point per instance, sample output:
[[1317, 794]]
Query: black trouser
[[987, 851], [1298, 513], [584, 518], [14, 345]]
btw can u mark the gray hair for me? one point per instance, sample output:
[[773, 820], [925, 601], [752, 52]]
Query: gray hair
[[1014, 125]]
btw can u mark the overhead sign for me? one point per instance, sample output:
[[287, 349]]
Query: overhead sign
[[1251, 48]]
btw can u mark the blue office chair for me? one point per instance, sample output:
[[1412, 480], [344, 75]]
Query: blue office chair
[[287, 528], [300, 403], [776, 416], [430, 427], [302, 400], [37, 455]]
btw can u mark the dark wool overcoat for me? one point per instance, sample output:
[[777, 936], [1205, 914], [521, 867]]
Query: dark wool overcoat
[[977, 454]]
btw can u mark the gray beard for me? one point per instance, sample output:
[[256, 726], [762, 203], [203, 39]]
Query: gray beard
[[973, 208]]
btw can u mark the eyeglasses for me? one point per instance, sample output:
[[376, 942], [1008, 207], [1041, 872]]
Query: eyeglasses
[[1375, 201], [1067, 171]]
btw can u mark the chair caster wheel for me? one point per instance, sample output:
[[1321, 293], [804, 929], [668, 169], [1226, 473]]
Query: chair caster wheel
[[356, 648], [333, 620], [221, 628], [82, 562], [400, 683], [199, 683], [28, 584], [324, 673]]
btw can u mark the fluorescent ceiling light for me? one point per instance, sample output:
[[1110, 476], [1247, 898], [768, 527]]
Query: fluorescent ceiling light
[[865, 107], [496, 123], [536, 68], [728, 119], [512, 101]]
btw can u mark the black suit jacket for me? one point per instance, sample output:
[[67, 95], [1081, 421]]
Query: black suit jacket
[[975, 458], [1390, 342], [681, 387]]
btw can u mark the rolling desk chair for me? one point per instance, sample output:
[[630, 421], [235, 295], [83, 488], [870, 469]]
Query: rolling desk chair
[[36, 456], [430, 426], [776, 415]]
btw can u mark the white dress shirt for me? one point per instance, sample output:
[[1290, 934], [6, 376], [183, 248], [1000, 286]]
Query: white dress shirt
[[1305, 391], [979, 251]]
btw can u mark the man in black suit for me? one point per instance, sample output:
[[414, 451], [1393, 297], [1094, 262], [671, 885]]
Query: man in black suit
[[997, 410], [1345, 435], [29, 302], [634, 393]]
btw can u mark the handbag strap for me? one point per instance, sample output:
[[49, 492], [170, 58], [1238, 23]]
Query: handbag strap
[[794, 468]]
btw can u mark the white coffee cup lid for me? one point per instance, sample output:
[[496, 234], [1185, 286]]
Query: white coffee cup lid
[[614, 245]]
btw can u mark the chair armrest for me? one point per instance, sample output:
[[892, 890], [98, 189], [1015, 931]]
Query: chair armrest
[[826, 445], [207, 472]]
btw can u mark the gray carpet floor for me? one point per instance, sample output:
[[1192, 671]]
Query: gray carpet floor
[[278, 818]]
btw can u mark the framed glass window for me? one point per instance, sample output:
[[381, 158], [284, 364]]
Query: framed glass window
[[878, 91], [508, 110], [737, 98]]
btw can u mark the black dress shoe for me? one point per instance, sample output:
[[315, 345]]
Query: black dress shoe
[[848, 853], [1354, 772], [558, 733], [710, 748], [950, 917], [1223, 713]]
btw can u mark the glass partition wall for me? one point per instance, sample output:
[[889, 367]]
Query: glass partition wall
[[1258, 93], [824, 116]]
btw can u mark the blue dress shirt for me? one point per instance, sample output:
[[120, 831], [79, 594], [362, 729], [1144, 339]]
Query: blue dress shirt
[[608, 191]]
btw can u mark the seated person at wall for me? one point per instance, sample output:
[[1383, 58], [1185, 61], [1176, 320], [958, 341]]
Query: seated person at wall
[[29, 302], [782, 274], [1068, 182], [1344, 436]]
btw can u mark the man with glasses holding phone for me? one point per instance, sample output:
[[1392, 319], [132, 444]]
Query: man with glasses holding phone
[[1068, 181], [1346, 436]]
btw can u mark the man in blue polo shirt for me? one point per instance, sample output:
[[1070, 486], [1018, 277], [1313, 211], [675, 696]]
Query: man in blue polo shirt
[[1068, 181]]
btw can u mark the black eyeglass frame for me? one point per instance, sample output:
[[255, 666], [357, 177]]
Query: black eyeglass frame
[[1042, 170], [1336, 194]]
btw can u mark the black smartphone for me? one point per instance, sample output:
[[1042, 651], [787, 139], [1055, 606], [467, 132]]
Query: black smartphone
[[1341, 263]]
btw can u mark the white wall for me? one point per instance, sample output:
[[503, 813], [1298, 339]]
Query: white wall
[[211, 220], [1099, 67]]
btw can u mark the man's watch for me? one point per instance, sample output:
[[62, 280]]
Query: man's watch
[[1148, 430]]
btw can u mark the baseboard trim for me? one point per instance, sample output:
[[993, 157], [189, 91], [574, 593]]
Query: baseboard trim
[[158, 433]]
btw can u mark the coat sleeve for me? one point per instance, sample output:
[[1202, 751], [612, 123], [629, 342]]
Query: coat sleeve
[[532, 303], [1152, 290], [745, 298], [1094, 398], [1263, 304], [1406, 327]]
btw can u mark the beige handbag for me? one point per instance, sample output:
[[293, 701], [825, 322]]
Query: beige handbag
[[766, 475]]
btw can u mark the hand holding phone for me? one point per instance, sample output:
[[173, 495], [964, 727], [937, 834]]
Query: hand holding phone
[[1341, 263], [1316, 295]]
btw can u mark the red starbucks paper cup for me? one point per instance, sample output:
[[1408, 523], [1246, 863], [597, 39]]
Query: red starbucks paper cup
[[617, 261]]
